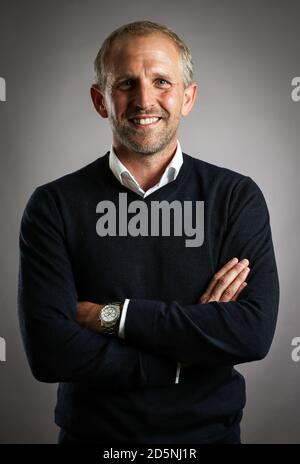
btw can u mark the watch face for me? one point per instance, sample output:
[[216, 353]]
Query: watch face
[[110, 313]]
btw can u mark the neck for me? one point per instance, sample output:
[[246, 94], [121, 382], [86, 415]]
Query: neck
[[146, 169]]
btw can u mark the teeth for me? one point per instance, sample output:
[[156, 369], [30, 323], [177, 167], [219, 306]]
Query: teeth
[[145, 121]]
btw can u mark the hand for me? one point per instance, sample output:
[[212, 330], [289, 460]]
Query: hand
[[227, 283], [88, 315]]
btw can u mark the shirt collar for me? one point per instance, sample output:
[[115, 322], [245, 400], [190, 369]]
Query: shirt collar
[[171, 171]]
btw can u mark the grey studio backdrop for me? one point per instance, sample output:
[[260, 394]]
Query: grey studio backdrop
[[246, 54]]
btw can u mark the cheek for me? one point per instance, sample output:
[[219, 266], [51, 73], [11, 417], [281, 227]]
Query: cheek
[[171, 102], [119, 104]]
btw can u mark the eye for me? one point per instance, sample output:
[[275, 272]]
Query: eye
[[126, 84], [163, 83]]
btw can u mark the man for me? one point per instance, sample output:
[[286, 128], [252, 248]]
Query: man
[[139, 314]]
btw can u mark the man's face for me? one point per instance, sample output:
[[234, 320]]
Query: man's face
[[145, 96]]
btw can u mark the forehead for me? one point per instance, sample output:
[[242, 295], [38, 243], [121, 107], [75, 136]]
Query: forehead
[[156, 50]]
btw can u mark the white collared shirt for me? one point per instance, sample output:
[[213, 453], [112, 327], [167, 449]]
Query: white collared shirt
[[125, 177]]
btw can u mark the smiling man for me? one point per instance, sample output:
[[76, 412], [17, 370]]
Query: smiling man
[[141, 330]]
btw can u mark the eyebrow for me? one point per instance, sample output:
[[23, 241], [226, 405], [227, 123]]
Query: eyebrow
[[156, 74]]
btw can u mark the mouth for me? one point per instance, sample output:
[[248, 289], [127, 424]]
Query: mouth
[[145, 122]]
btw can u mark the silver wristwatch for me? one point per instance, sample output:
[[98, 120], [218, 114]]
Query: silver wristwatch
[[109, 317]]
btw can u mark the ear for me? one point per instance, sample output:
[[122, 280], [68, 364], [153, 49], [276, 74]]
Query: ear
[[98, 100], [189, 98]]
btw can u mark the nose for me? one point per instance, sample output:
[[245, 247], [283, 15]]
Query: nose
[[143, 96]]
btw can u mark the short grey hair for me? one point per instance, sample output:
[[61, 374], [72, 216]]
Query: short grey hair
[[141, 28]]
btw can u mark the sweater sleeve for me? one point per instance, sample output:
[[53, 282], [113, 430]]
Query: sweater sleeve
[[57, 347], [220, 333]]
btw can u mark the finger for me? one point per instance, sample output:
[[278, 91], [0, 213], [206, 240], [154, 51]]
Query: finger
[[227, 279], [244, 284], [231, 290], [237, 293], [206, 295]]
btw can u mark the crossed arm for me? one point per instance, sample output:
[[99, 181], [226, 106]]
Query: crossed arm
[[226, 285]]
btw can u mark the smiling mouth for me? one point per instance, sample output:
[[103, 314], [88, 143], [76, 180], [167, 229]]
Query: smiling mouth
[[145, 122]]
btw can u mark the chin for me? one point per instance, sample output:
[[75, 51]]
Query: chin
[[146, 149]]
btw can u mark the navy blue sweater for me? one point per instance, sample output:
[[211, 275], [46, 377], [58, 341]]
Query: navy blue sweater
[[124, 390]]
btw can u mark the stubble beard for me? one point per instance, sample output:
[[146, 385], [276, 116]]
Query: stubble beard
[[150, 144]]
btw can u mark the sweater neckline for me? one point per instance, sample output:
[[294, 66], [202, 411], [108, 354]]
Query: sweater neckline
[[162, 192]]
